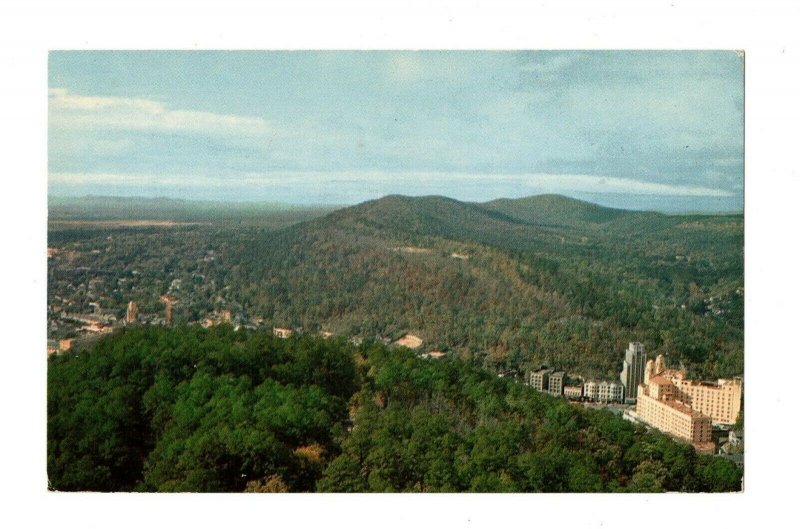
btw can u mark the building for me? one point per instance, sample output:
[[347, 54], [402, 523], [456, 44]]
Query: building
[[410, 341], [95, 327], [539, 379], [662, 404], [720, 400], [590, 390], [282, 333], [573, 392], [674, 417], [610, 392], [132, 314], [555, 386], [632, 373], [169, 303], [604, 391]]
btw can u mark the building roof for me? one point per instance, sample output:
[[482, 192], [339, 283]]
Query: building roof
[[711, 384], [410, 341], [680, 406], [673, 373], [660, 380]]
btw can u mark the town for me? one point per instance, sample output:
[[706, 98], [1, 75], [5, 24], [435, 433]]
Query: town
[[701, 413], [704, 414]]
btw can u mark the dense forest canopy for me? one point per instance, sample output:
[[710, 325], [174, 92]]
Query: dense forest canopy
[[193, 409]]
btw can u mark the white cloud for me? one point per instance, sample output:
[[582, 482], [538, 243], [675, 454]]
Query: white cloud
[[71, 111], [411, 183]]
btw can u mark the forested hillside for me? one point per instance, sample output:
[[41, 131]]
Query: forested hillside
[[192, 409], [506, 285], [510, 283]]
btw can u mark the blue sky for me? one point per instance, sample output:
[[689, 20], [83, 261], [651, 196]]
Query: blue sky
[[629, 129]]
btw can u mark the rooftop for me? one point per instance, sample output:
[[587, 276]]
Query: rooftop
[[710, 383], [410, 341], [683, 408]]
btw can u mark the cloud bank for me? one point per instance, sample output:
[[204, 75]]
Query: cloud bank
[[73, 111]]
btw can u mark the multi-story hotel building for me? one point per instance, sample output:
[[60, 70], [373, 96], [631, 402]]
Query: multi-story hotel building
[[720, 400], [686, 408], [672, 416]]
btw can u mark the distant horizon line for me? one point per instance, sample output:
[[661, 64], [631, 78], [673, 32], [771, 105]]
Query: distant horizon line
[[314, 205]]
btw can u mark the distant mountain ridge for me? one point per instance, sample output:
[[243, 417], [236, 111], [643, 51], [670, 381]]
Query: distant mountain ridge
[[98, 207], [508, 223], [544, 209]]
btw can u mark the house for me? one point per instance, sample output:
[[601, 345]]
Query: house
[[410, 341], [281, 332]]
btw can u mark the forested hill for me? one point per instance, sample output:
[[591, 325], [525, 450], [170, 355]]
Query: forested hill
[[508, 284], [558, 210], [218, 410]]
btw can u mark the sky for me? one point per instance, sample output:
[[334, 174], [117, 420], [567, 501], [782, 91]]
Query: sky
[[640, 130]]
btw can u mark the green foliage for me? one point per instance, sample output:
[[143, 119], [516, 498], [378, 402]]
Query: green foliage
[[504, 285], [459, 429], [192, 409], [547, 279]]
